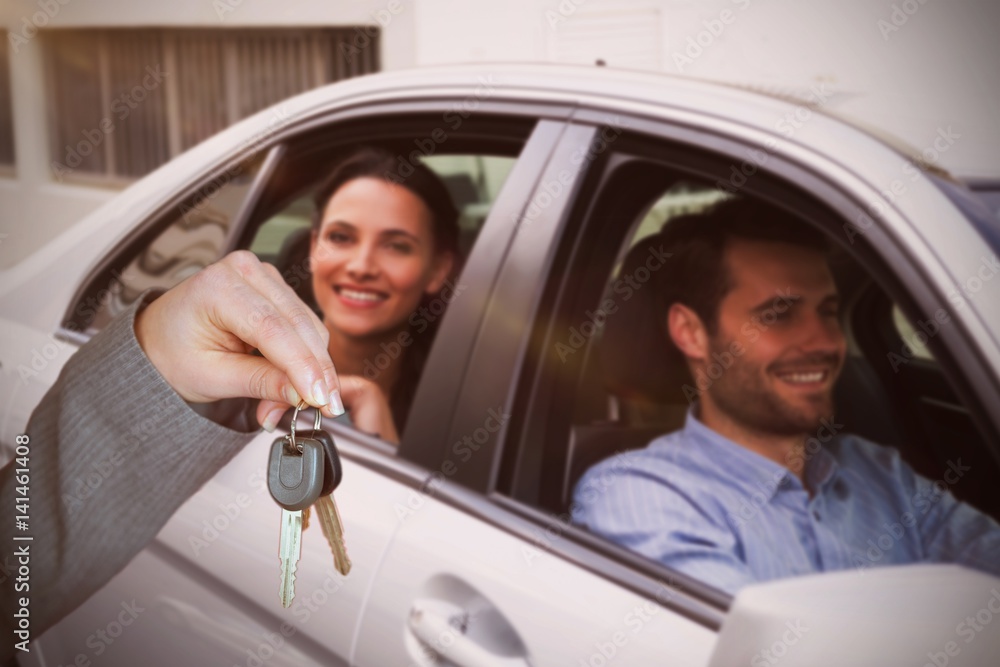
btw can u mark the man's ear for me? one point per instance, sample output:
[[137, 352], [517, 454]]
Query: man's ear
[[687, 331], [443, 262]]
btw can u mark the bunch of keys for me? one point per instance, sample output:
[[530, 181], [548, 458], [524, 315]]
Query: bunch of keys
[[303, 470]]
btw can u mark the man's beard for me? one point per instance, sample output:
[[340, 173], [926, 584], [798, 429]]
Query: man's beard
[[743, 395]]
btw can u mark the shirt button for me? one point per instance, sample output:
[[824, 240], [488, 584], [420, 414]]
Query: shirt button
[[816, 514]]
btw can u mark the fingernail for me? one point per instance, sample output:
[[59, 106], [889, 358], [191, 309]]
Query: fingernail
[[319, 393], [272, 419], [293, 396], [336, 405]]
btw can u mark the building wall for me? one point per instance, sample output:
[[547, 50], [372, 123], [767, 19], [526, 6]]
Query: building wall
[[910, 67], [918, 69], [34, 205]]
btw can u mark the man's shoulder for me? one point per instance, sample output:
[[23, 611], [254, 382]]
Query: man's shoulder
[[666, 461], [849, 447], [870, 460], [642, 487]]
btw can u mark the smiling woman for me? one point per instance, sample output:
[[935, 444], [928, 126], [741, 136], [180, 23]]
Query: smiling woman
[[381, 250]]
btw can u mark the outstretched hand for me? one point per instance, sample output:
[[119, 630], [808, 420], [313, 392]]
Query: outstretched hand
[[200, 336]]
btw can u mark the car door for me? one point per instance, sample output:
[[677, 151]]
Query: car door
[[486, 568], [470, 578], [205, 590]]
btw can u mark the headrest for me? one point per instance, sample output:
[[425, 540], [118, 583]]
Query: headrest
[[635, 350], [293, 263]]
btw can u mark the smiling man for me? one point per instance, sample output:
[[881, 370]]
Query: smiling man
[[762, 482]]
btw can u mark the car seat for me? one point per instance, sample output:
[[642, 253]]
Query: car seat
[[643, 380]]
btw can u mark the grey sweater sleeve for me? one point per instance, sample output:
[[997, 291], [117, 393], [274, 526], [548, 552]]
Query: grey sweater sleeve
[[114, 451]]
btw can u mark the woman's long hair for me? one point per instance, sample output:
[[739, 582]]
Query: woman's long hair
[[371, 162]]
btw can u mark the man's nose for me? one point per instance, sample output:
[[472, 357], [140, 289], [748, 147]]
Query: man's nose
[[822, 334]]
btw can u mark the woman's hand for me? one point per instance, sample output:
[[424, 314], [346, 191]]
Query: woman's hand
[[365, 402], [200, 335], [369, 407]]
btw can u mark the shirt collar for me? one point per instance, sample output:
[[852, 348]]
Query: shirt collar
[[747, 470]]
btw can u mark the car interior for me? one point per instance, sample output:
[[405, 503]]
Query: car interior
[[618, 389], [629, 390], [473, 180]]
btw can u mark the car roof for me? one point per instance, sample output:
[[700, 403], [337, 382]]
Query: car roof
[[589, 93], [592, 83]]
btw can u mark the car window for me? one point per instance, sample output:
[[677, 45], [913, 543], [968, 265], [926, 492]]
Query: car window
[[603, 382], [192, 235], [284, 239], [915, 339], [473, 181]]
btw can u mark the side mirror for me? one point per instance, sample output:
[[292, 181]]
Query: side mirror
[[915, 615]]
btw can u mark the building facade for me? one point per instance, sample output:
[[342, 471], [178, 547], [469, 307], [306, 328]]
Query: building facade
[[96, 93]]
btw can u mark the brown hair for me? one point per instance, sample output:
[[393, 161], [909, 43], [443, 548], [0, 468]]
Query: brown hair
[[696, 274], [371, 162]]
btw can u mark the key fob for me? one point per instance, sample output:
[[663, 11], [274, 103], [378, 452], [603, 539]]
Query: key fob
[[333, 473], [296, 480]]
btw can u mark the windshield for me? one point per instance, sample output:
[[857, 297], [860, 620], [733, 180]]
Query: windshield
[[980, 205]]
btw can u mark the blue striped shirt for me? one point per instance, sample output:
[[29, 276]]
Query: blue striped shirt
[[699, 503]]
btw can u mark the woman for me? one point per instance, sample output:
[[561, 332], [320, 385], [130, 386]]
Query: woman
[[382, 247]]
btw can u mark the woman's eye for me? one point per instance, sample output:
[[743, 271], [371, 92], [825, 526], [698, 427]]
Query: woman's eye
[[400, 247], [337, 237]]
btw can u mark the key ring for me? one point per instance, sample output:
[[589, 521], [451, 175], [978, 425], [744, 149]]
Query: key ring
[[295, 447]]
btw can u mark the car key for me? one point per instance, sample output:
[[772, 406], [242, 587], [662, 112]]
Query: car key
[[326, 507], [333, 529], [295, 480]]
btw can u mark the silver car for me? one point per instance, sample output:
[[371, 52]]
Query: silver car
[[461, 542]]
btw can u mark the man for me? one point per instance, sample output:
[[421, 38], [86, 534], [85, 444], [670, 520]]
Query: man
[[746, 491]]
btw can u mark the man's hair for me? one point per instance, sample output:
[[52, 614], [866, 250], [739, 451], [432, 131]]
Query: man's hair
[[696, 274]]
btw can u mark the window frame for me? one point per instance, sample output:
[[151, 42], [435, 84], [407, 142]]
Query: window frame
[[272, 146], [322, 62], [7, 129], [907, 282]]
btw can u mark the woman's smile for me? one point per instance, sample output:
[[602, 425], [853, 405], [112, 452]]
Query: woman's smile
[[374, 258]]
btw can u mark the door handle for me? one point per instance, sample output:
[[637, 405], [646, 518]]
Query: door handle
[[436, 630]]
